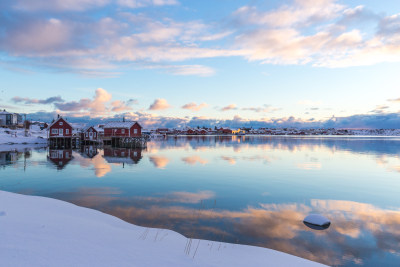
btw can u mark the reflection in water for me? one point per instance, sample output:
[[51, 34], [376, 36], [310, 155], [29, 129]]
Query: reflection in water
[[60, 157], [159, 162], [9, 157], [192, 160], [123, 155], [276, 226], [249, 190]]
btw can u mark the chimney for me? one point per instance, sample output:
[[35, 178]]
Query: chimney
[[123, 119], [58, 116]]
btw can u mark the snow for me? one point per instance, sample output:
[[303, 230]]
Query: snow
[[317, 219], [37, 231], [118, 124], [35, 136]]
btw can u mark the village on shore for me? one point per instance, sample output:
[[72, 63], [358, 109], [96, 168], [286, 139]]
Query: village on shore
[[61, 133]]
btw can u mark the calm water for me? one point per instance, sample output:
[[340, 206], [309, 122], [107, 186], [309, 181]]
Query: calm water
[[253, 190]]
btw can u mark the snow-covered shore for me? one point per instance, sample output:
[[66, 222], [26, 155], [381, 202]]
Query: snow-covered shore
[[35, 136], [37, 231]]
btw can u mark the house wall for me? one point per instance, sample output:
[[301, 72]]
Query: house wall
[[64, 127], [118, 132], [88, 131], [138, 130], [8, 119]]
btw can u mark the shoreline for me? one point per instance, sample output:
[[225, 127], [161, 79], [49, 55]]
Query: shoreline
[[39, 231]]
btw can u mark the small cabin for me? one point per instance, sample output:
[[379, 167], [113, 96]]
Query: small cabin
[[115, 131], [60, 133], [60, 128], [89, 135], [8, 119], [123, 129], [162, 130]]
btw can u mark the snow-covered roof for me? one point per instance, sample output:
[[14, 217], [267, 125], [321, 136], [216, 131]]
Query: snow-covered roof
[[6, 113], [121, 124], [58, 120]]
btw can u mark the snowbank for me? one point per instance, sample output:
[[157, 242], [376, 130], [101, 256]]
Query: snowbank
[[37, 231], [36, 136]]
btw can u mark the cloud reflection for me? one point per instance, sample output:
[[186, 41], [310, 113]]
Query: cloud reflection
[[100, 165], [192, 160], [359, 231], [160, 162]]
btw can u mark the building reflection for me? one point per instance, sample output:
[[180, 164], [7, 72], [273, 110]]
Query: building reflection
[[9, 157], [89, 151], [122, 155], [60, 157]]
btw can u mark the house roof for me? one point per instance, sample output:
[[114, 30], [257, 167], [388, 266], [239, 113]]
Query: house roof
[[121, 124], [88, 127], [6, 113], [58, 120]]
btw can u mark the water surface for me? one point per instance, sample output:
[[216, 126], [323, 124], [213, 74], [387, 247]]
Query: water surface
[[247, 190]]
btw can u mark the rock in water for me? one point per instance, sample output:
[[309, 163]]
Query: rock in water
[[317, 222]]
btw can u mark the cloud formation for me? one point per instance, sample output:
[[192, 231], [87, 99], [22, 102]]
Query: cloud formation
[[27, 100], [323, 33], [263, 109], [229, 107], [159, 104], [82, 5], [320, 33], [194, 107]]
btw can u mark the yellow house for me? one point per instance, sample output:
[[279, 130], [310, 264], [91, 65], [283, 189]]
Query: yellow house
[[238, 131]]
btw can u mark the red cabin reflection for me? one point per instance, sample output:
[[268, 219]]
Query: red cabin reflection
[[60, 157], [89, 151], [123, 155]]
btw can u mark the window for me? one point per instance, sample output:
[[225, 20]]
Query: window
[[135, 154], [66, 131], [60, 132], [135, 131], [94, 134], [54, 131], [87, 135], [61, 123], [123, 131]]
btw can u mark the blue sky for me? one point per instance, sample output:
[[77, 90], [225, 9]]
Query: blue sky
[[177, 62]]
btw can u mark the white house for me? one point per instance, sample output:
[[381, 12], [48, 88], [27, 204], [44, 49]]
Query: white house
[[8, 119]]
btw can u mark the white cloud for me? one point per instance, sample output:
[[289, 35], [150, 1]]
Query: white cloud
[[144, 3], [58, 5]]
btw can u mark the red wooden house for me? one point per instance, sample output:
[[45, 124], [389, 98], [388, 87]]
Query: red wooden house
[[89, 135], [113, 131], [60, 133]]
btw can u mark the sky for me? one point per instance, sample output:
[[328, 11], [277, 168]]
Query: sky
[[177, 63]]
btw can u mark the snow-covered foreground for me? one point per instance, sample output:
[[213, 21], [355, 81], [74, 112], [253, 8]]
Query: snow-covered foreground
[[37, 231], [35, 136]]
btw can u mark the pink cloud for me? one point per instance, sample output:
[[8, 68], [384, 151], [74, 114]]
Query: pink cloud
[[159, 104], [229, 107], [193, 106]]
